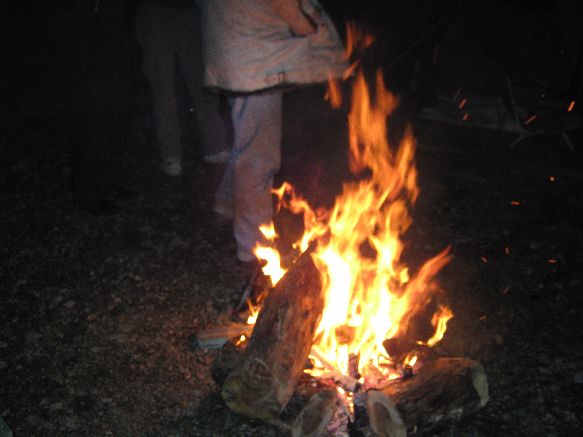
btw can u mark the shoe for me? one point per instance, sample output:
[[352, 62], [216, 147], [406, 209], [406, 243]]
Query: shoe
[[172, 167], [122, 194], [217, 158], [223, 211]]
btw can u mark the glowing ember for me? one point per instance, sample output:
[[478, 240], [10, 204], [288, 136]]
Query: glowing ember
[[410, 361], [253, 313], [370, 294], [530, 119]]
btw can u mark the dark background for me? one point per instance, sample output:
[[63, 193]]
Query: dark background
[[97, 314]]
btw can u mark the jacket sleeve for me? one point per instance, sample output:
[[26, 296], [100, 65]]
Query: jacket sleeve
[[290, 11]]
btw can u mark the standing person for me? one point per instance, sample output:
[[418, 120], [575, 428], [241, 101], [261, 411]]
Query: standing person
[[101, 102], [169, 33], [253, 49]]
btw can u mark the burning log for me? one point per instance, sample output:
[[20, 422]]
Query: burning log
[[442, 392], [399, 348], [315, 409], [314, 405], [316, 415], [261, 386], [347, 382]]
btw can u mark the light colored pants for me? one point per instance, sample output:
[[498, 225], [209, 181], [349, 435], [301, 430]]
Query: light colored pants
[[245, 190], [169, 37]]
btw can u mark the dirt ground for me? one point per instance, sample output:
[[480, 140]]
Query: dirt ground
[[97, 314]]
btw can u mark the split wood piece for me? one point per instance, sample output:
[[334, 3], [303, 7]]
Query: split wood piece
[[316, 415], [216, 336], [384, 418], [441, 393], [312, 409], [307, 387], [275, 357]]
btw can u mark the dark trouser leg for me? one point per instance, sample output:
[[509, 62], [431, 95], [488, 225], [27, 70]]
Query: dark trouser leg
[[212, 118], [157, 33]]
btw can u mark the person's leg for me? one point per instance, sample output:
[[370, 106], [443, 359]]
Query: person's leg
[[213, 122], [255, 160], [155, 32]]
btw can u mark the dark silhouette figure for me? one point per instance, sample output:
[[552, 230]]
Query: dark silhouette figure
[[101, 102]]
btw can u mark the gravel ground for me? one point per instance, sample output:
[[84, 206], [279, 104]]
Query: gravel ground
[[97, 312]]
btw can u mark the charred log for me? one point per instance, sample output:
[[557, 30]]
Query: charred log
[[315, 409], [316, 415], [441, 393], [399, 348]]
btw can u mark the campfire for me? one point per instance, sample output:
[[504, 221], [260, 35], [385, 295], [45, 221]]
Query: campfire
[[331, 350]]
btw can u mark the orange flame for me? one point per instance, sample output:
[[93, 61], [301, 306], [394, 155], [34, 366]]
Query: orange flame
[[272, 268], [370, 298], [370, 295], [356, 40], [333, 93], [439, 321], [410, 360], [253, 313]]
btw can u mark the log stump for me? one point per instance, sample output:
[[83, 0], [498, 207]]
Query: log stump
[[442, 392], [263, 383]]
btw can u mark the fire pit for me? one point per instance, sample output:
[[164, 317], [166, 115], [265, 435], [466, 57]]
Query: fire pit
[[331, 351], [265, 377]]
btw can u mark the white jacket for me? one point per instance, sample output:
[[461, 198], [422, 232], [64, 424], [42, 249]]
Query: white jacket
[[248, 45]]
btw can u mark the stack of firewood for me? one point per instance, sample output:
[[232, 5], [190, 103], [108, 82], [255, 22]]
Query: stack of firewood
[[265, 380]]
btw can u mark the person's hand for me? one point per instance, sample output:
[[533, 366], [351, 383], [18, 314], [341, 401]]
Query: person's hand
[[304, 25], [300, 23]]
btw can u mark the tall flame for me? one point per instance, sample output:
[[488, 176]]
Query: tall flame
[[370, 294]]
